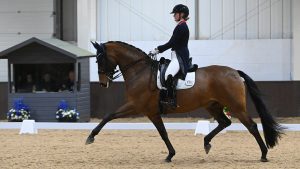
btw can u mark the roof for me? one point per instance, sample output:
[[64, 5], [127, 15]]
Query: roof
[[55, 44]]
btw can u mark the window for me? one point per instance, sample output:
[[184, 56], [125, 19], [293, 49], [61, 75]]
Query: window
[[28, 78]]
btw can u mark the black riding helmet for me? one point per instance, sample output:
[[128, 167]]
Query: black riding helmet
[[180, 8]]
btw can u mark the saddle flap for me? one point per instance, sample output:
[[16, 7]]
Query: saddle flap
[[189, 81]]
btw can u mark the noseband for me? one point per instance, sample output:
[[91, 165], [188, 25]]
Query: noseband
[[110, 74]]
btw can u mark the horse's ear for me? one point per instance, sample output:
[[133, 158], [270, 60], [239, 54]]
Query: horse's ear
[[94, 44]]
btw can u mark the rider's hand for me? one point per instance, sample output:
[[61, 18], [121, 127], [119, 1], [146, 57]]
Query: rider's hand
[[154, 52]]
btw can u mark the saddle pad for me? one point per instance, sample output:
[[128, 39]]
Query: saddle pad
[[182, 84]]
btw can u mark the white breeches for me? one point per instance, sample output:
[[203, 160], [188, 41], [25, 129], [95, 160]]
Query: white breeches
[[173, 67]]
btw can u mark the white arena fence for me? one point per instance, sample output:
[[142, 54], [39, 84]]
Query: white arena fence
[[136, 126]]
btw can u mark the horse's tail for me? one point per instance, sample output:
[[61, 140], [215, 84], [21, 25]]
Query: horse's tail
[[272, 130]]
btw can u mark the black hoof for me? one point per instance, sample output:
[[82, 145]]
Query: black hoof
[[264, 160], [169, 157], [89, 140], [207, 148], [168, 160]]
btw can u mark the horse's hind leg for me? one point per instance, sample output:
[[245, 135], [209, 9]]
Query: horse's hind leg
[[158, 123], [123, 111], [216, 110], [252, 128]]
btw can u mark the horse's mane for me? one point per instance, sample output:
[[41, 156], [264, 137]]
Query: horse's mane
[[129, 45], [152, 60]]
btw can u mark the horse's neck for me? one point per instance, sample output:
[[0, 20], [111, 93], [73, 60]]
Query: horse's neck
[[132, 67]]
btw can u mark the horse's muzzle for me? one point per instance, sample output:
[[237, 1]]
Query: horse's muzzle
[[106, 85]]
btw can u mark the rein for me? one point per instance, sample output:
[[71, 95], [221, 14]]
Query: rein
[[111, 75], [152, 59]]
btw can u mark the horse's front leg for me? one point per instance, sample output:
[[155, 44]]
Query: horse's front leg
[[158, 123], [124, 111]]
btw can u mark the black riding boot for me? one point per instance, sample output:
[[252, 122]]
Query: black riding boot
[[171, 92]]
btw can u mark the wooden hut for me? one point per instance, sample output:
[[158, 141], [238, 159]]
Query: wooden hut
[[46, 71]]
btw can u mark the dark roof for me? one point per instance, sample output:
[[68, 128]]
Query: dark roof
[[55, 44]]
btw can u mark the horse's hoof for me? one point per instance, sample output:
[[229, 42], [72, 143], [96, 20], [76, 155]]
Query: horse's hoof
[[89, 140], [207, 148], [264, 160], [168, 160]]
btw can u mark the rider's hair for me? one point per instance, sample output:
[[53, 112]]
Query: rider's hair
[[185, 17]]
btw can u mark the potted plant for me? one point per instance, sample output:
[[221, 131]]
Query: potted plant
[[19, 112], [65, 114]]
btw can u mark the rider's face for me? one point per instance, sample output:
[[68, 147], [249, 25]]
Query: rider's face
[[176, 17]]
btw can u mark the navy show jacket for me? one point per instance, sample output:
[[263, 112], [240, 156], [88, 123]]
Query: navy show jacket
[[179, 44]]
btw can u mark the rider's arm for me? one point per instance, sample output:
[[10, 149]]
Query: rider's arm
[[174, 39]]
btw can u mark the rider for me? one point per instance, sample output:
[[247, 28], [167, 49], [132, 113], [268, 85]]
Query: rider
[[180, 52]]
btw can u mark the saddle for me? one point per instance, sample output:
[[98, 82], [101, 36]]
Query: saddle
[[188, 82]]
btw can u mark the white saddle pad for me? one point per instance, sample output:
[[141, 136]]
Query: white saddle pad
[[182, 84]]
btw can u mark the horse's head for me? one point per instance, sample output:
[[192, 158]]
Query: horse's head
[[106, 65]]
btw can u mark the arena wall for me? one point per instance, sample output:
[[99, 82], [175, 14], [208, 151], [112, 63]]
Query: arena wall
[[263, 60], [281, 97]]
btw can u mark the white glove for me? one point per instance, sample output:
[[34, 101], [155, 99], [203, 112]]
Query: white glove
[[154, 52]]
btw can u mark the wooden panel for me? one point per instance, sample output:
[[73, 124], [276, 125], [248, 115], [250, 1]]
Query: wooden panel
[[69, 19], [191, 21], [276, 19], [31, 17], [240, 19], [43, 108], [3, 70], [113, 24], [287, 28], [135, 20], [9, 40], [281, 97], [204, 19], [27, 5], [103, 19], [3, 100], [228, 19], [252, 19], [83, 96], [149, 24], [23, 23], [264, 19], [216, 19], [125, 20], [106, 100], [35, 53]]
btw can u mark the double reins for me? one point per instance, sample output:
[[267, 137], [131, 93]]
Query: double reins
[[111, 75]]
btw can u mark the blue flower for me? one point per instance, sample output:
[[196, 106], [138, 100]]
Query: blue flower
[[63, 105], [19, 104]]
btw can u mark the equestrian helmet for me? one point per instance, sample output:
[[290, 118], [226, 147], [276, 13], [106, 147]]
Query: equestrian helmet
[[180, 8]]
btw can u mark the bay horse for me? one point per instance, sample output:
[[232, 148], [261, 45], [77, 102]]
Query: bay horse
[[215, 87]]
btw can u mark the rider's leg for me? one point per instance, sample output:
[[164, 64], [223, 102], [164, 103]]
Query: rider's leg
[[171, 71], [173, 67]]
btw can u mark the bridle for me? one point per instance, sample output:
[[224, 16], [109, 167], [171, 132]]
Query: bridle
[[110, 74]]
